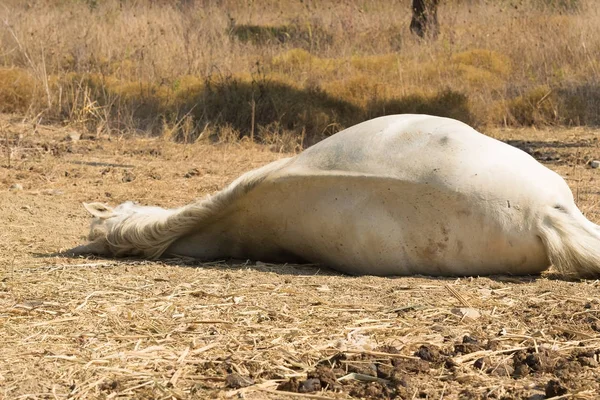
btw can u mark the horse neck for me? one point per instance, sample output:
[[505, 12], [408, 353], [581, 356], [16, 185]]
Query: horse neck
[[151, 231], [145, 231]]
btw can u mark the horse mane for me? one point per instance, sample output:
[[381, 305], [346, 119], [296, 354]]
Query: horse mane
[[150, 234]]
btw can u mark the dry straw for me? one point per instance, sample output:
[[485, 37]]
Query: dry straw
[[297, 71]]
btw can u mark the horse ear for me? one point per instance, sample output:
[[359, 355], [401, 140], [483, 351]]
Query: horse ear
[[99, 210]]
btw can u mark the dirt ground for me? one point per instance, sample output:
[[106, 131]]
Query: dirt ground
[[86, 328]]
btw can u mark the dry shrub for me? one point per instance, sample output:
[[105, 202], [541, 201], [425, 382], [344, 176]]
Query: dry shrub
[[232, 102], [392, 37], [310, 67], [298, 62], [580, 103], [281, 140], [478, 77], [534, 107], [238, 102], [486, 60], [376, 63], [93, 99], [294, 59], [567, 104], [307, 35], [359, 89], [18, 90], [446, 103], [246, 105]]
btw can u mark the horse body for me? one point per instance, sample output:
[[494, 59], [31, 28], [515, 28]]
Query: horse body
[[397, 195]]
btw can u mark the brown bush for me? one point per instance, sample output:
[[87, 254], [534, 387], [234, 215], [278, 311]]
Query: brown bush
[[305, 68], [18, 91]]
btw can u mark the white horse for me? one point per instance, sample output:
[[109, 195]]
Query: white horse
[[396, 195]]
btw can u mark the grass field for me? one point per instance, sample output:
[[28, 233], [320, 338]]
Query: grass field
[[164, 102], [300, 70]]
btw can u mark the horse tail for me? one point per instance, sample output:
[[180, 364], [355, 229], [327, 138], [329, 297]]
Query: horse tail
[[150, 235], [572, 243]]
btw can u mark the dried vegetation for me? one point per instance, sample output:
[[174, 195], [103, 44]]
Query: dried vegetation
[[303, 69], [103, 329], [284, 73]]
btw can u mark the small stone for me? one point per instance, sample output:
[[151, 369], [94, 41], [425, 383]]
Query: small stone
[[16, 186], [310, 386], [469, 340], [237, 381], [482, 363], [594, 163], [289, 386], [326, 376], [469, 345], [363, 368], [536, 361], [417, 366], [554, 389], [492, 345], [191, 173], [521, 370], [588, 362], [73, 136], [385, 371], [504, 370], [128, 177], [428, 353], [109, 386]]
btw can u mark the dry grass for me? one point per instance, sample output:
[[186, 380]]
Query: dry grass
[[296, 67], [103, 329], [284, 73]]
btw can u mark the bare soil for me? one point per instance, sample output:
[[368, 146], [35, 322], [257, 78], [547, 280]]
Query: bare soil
[[85, 328]]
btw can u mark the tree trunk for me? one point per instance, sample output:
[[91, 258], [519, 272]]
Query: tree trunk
[[424, 18]]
